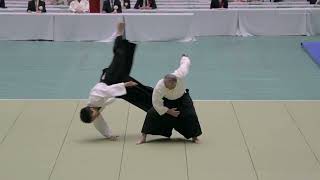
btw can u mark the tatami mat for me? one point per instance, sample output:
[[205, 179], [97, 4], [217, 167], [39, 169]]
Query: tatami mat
[[242, 140], [158, 160], [223, 154], [10, 111], [278, 149], [86, 154], [32, 145]]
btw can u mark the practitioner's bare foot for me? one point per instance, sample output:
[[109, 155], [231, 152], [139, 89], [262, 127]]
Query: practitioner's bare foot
[[143, 139], [113, 138], [196, 140], [120, 28]]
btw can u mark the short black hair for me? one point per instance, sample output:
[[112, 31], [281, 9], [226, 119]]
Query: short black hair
[[170, 77], [86, 114]]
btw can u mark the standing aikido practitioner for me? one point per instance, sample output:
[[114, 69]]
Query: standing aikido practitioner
[[172, 107], [116, 82]]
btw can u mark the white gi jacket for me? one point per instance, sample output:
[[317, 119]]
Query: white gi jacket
[[102, 95], [161, 91]]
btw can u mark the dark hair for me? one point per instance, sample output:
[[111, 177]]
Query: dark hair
[[86, 114], [170, 77]]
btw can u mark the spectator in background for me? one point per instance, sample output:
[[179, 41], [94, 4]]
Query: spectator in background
[[79, 6], [112, 6], [2, 4], [219, 4], [125, 4], [314, 1], [145, 4], [38, 6]]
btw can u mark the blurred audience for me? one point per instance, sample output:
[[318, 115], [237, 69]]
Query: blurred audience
[[2, 4], [79, 6], [219, 4], [145, 4], [38, 6], [112, 6]]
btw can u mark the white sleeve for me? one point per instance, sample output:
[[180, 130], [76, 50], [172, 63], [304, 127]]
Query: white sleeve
[[101, 125], [157, 101], [73, 6], [115, 90], [183, 70], [109, 101]]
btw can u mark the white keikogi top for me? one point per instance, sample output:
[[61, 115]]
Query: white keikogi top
[[102, 95], [161, 91]]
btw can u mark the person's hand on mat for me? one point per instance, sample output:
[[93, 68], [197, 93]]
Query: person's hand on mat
[[113, 138], [130, 84], [173, 112]]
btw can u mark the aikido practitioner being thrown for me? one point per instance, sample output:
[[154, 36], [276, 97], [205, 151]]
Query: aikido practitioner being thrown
[[115, 82]]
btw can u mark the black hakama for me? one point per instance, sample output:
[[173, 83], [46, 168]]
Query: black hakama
[[119, 71], [187, 123]]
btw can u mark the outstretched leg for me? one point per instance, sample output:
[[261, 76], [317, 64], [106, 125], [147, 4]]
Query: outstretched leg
[[120, 67], [140, 95]]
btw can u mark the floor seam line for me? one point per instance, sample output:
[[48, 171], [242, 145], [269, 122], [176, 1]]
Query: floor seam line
[[13, 124], [301, 133], [124, 142], [64, 140], [243, 137]]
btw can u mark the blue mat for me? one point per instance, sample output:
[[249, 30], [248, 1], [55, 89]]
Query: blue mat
[[313, 49]]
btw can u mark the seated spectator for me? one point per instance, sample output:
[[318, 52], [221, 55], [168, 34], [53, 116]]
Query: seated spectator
[[38, 6], [219, 4], [2, 4], [145, 4], [79, 6], [314, 2], [126, 4], [112, 6]]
